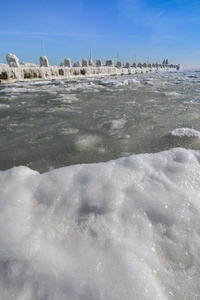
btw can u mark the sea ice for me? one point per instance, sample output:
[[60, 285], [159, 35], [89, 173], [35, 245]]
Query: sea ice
[[185, 132], [118, 124]]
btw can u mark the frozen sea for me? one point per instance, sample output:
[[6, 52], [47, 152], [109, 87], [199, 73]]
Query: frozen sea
[[100, 188]]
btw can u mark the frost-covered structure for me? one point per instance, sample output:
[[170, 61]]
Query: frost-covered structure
[[84, 62], [44, 61], [109, 63], [98, 63], [77, 64], [127, 65], [29, 71], [12, 60], [67, 63], [90, 60], [119, 65]]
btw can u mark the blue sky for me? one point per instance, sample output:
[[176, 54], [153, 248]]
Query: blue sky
[[141, 30]]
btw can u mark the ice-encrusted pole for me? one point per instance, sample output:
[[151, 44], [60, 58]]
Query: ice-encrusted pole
[[90, 60], [43, 49]]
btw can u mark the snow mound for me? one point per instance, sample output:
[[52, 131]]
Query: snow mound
[[124, 229]]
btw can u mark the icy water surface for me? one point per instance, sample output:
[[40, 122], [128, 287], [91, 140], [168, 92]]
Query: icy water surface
[[49, 124]]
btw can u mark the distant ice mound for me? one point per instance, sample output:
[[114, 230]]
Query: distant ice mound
[[98, 63], [84, 62], [67, 63], [12, 60], [119, 64], [185, 132], [109, 63], [77, 64], [44, 61]]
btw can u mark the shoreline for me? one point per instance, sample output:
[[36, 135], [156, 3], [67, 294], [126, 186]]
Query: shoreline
[[25, 73]]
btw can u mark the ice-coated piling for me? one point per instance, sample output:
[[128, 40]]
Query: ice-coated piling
[[127, 65], [109, 63], [67, 63], [84, 62], [119, 65], [77, 64], [44, 61], [98, 63], [12, 60]]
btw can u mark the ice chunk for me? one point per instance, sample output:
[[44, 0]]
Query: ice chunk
[[12, 60], [185, 132]]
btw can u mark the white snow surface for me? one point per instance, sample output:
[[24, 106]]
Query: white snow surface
[[185, 132], [124, 229]]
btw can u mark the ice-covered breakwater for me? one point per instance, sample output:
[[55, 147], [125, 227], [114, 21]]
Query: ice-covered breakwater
[[26, 71]]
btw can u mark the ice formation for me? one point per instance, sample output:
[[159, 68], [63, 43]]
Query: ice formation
[[98, 63], [84, 62], [91, 64], [67, 63], [44, 61], [77, 64], [127, 65], [119, 64], [125, 229], [109, 63], [32, 71], [185, 132], [12, 60]]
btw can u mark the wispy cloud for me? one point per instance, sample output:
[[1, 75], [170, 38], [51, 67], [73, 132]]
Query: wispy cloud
[[70, 34]]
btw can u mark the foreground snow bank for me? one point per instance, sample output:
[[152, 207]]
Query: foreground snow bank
[[125, 229]]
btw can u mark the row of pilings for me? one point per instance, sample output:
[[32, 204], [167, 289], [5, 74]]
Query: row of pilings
[[26, 71], [13, 61]]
